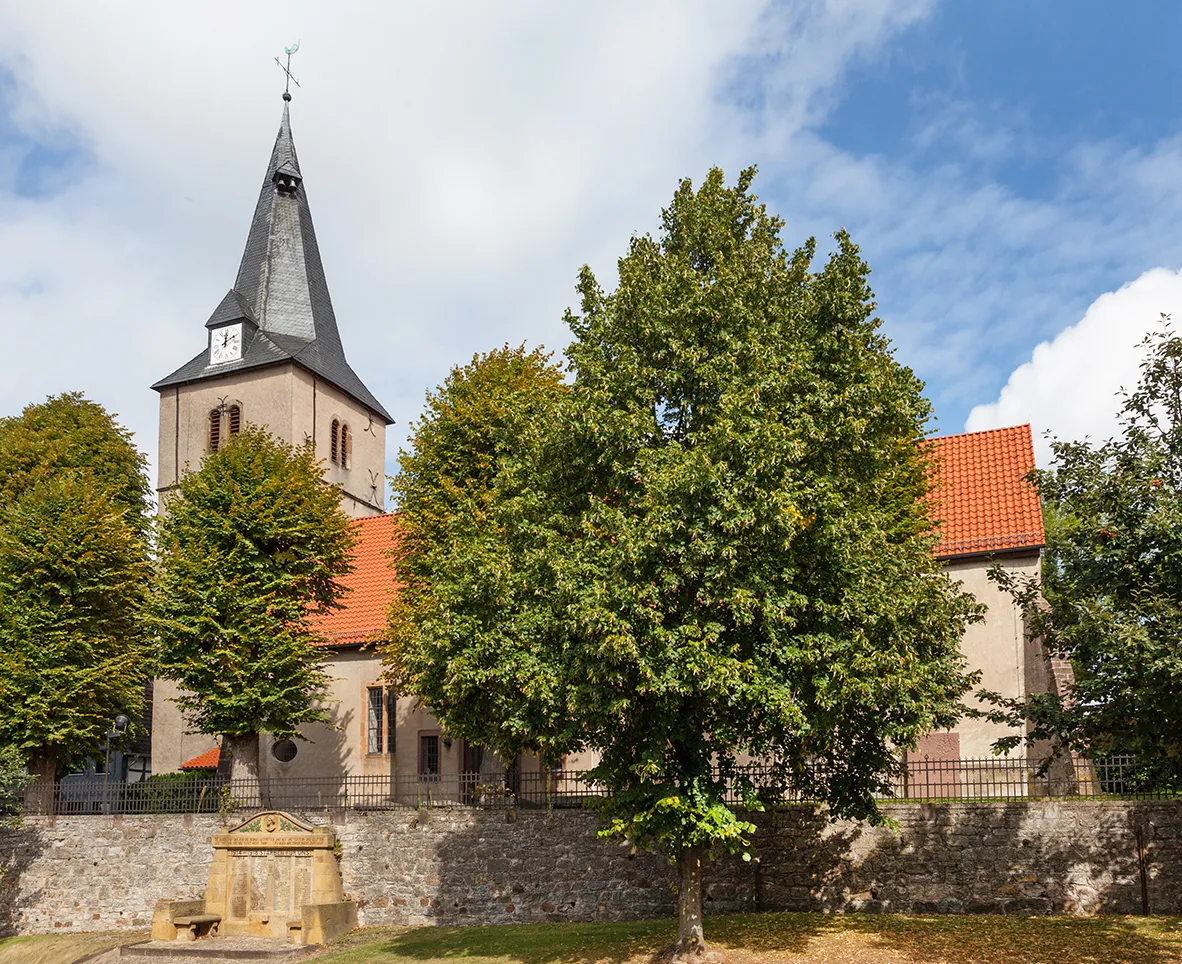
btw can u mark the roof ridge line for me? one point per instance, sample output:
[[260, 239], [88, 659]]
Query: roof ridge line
[[983, 431]]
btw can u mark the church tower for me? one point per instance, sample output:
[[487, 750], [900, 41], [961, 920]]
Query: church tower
[[274, 358]]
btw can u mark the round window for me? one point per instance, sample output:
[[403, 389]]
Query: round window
[[284, 751]]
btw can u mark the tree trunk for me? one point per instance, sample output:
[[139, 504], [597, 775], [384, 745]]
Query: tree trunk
[[690, 944], [242, 766], [39, 794]]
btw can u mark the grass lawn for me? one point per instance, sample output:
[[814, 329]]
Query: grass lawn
[[785, 938], [60, 948]]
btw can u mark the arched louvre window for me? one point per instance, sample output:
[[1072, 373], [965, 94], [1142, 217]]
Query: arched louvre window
[[335, 443], [346, 446], [215, 429], [235, 413]]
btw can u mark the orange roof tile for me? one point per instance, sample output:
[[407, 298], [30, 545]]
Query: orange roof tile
[[982, 495], [371, 586], [205, 761]]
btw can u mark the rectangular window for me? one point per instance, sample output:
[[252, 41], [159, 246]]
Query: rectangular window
[[381, 719], [429, 756], [375, 700]]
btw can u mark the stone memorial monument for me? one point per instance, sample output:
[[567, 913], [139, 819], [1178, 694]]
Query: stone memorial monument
[[271, 876]]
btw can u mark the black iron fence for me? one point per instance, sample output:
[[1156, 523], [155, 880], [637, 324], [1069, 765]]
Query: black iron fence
[[992, 778]]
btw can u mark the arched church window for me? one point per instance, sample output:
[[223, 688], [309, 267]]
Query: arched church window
[[215, 429], [346, 446], [235, 413], [335, 442]]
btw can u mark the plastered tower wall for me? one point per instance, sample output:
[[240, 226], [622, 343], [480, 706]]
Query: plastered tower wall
[[294, 406]]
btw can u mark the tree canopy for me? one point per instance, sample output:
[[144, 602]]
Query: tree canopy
[[251, 549], [715, 546], [1110, 598], [73, 572], [69, 434], [446, 495]]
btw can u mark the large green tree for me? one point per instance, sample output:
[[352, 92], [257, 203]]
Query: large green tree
[[74, 504], [1110, 598], [250, 551], [73, 572], [716, 545]]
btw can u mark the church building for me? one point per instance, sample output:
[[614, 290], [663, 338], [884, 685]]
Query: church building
[[273, 356]]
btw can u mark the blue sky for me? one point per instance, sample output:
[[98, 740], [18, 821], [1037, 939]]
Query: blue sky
[[1064, 71], [1006, 93], [1011, 171]]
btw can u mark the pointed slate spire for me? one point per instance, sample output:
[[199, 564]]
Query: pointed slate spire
[[284, 158], [280, 274], [281, 286]]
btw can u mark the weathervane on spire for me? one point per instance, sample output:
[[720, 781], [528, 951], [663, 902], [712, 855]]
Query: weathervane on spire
[[286, 68]]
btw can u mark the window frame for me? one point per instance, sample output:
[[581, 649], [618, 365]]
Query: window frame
[[388, 727], [430, 735]]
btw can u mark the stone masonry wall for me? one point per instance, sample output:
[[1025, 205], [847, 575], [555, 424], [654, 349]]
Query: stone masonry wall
[[475, 867]]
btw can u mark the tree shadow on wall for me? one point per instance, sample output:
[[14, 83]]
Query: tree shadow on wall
[[18, 850], [1029, 859], [1017, 858]]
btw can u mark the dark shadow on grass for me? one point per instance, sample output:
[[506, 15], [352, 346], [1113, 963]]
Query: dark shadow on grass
[[535, 943], [1026, 940], [603, 943], [756, 937]]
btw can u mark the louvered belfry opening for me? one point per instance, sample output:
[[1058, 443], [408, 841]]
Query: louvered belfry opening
[[335, 442], [346, 446], [215, 429], [235, 415]]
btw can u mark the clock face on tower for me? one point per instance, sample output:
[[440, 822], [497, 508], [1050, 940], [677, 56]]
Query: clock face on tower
[[225, 344]]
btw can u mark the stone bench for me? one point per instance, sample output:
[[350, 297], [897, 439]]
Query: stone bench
[[197, 925], [184, 920]]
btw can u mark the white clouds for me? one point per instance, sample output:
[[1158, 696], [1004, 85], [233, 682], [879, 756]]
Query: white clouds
[[799, 75], [1070, 384], [462, 160]]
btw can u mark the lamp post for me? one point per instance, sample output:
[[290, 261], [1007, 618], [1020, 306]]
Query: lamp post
[[118, 728]]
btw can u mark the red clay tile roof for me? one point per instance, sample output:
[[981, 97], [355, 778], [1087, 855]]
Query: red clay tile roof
[[371, 586], [205, 761], [981, 493]]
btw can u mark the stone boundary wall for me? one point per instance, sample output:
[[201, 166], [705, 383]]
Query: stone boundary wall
[[477, 867]]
